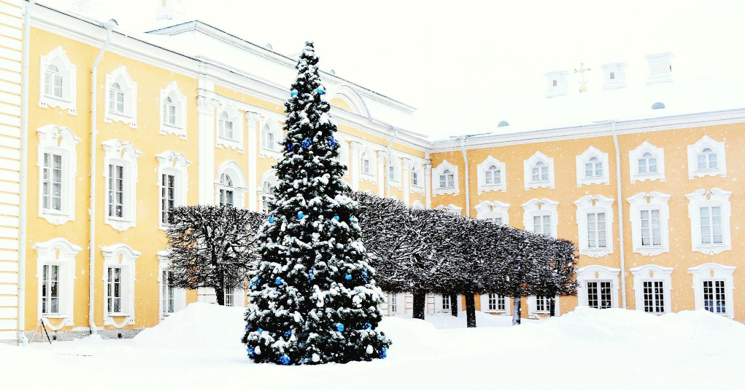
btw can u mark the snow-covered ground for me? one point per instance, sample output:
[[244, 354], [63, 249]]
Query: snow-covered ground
[[199, 348]]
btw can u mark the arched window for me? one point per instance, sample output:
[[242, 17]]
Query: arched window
[[446, 179], [366, 163], [647, 163], [58, 81], [53, 82], [169, 112], [415, 177], [593, 167], [266, 196], [226, 190], [540, 172], [707, 159], [267, 138], [116, 99], [493, 176], [225, 126]]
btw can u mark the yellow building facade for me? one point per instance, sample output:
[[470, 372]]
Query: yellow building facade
[[170, 128]]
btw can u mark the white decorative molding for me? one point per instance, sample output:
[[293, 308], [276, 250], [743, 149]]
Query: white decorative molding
[[61, 253], [699, 160], [59, 141], [176, 122], [537, 179], [714, 272], [180, 294], [418, 170], [124, 154], [229, 128], [270, 135], [120, 256], [557, 83], [719, 198], [650, 202], [206, 108], [128, 89], [395, 163], [494, 211], [659, 68], [653, 273], [613, 75], [368, 165], [451, 208], [239, 187], [418, 205], [594, 204], [445, 169], [540, 208], [590, 162], [598, 273], [646, 151], [493, 165], [55, 69], [172, 163]]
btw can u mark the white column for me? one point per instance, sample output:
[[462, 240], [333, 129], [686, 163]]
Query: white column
[[355, 161], [206, 148], [406, 180], [381, 171], [251, 147], [427, 185]]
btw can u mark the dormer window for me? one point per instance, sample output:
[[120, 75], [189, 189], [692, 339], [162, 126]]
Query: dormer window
[[53, 82], [555, 83], [493, 176], [647, 164], [612, 75], [446, 179], [540, 172], [225, 126], [660, 68], [116, 99]]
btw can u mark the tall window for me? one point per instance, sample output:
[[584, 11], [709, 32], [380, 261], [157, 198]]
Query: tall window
[[496, 302], [392, 304], [446, 179], [543, 304], [650, 228], [116, 191], [226, 192], [392, 172], [707, 159], [653, 296], [540, 172], [593, 167], [230, 297], [366, 164], [53, 82], [169, 112], [445, 303], [167, 197], [268, 138], [50, 289], [596, 230], [647, 163], [710, 225], [52, 182], [599, 294], [415, 179], [168, 294], [266, 196], [225, 126], [542, 224], [493, 176], [114, 290], [714, 296], [116, 99]]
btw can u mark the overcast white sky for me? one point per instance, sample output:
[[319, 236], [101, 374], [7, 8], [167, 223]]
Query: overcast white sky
[[465, 64]]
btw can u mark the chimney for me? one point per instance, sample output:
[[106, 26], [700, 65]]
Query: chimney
[[613, 75], [90, 8], [557, 83], [659, 68], [170, 9]]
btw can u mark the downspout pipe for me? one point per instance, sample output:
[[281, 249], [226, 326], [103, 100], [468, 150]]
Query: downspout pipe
[[389, 159], [23, 193], [466, 176], [613, 123], [92, 196]]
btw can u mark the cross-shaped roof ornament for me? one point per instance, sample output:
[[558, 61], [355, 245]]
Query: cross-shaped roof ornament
[[583, 81]]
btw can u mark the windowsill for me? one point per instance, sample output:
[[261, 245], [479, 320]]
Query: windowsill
[[118, 315], [120, 114], [227, 139], [55, 98], [646, 173], [445, 188], [55, 316], [55, 212], [172, 126], [493, 185], [540, 182]]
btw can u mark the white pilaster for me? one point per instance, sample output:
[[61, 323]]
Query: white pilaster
[[381, 171], [206, 145], [406, 180], [355, 161], [252, 129], [427, 185]]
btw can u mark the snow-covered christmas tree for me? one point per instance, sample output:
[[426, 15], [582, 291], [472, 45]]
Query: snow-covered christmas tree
[[313, 294]]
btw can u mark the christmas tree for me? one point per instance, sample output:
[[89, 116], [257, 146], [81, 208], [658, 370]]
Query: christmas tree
[[314, 299]]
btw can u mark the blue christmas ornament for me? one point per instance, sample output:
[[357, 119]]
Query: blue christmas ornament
[[367, 326], [320, 90], [287, 333], [272, 219], [340, 327], [289, 147], [332, 142], [365, 275], [284, 360], [336, 218], [383, 354], [311, 275], [278, 281], [246, 327], [250, 351], [259, 330], [294, 93], [300, 215], [306, 143], [348, 277]]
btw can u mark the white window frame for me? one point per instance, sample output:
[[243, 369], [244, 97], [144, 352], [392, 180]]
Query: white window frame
[[419, 169], [60, 141], [68, 73], [719, 148], [270, 179], [180, 294], [176, 164], [548, 207], [235, 117], [702, 198], [120, 256], [652, 272], [436, 177], [368, 155], [396, 164], [534, 313], [270, 126], [637, 153], [59, 252], [129, 88], [584, 158], [650, 201], [530, 163], [594, 204], [598, 273], [483, 168], [179, 101], [234, 171], [485, 304], [452, 208], [492, 210], [125, 154], [714, 271]]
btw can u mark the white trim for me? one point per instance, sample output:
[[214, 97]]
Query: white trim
[[121, 256], [234, 171], [491, 210], [59, 252], [594, 204], [637, 153], [598, 273], [237, 128], [60, 141], [581, 161], [180, 294], [170, 162], [532, 309], [530, 163], [129, 89], [419, 168], [714, 271], [451, 208], [68, 73], [125, 154], [700, 198], [180, 102], [269, 177], [651, 201], [367, 153], [483, 167], [692, 158], [548, 207], [652, 272], [272, 127], [436, 176], [485, 304], [395, 163], [417, 205]]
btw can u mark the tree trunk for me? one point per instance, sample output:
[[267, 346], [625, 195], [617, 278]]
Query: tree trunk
[[517, 311], [454, 305], [418, 305], [220, 296], [471, 320], [552, 306]]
